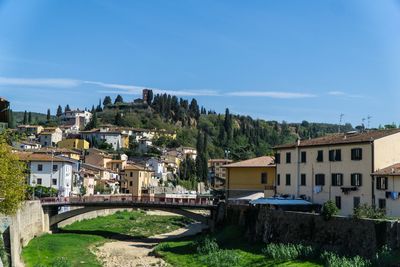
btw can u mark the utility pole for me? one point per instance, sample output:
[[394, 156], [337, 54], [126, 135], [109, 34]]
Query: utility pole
[[368, 121]]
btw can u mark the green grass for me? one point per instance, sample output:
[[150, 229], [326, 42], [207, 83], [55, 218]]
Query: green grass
[[46, 249], [183, 252], [74, 242]]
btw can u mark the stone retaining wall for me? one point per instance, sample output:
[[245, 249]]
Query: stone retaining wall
[[347, 235]]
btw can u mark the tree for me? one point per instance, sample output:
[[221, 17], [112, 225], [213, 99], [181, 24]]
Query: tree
[[99, 108], [11, 120], [59, 111], [67, 108], [93, 123], [12, 179], [150, 97], [48, 116], [194, 110], [118, 99], [25, 121], [118, 119], [107, 101], [228, 125], [30, 117]]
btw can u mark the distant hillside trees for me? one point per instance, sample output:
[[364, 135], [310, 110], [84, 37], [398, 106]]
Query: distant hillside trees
[[119, 100], [107, 101]]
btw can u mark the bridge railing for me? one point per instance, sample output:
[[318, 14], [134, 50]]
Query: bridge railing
[[184, 201]]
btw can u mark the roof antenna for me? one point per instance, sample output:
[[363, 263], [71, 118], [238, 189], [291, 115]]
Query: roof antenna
[[369, 120], [340, 120], [363, 124]]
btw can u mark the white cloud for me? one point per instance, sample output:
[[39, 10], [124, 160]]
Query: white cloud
[[343, 94], [39, 82], [272, 94], [114, 88]]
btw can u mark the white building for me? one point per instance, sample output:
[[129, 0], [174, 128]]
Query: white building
[[49, 171], [50, 136], [158, 167], [25, 145], [77, 118], [115, 138]]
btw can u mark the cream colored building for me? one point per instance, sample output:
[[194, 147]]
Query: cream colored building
[[137, 180], [336, 167], [386, 183]]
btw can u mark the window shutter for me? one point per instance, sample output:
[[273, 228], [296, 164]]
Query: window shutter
[[331, 155], [386, 182], [353, 180], [338, 155]]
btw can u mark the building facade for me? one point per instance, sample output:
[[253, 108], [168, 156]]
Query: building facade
[[336, 167], [50, 137], [248, 177]]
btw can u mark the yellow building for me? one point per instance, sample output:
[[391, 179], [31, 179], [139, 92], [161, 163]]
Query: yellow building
[[137, 180], [249, 177], [80, 144]]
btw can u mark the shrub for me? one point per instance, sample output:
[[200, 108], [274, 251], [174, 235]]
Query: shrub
[[286, 252], [385, 257], [120, 217], [329, 209], [207, 245], [331, 259], [132, 218], [220, 258], [366, 211]]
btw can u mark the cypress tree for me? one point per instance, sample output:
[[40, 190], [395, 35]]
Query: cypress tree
[[107, 101], [59, 111], [25, 121], [48, 116], [30, 117]]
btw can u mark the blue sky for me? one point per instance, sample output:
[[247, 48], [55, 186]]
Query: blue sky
[[277, 60]]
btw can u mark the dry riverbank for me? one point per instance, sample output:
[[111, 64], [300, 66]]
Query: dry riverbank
[[137, 252]]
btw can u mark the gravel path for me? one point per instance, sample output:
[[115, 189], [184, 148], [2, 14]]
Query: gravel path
[[138, 252]]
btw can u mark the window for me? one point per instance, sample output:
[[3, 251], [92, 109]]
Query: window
[[356, 154], [55, 168], [382, 203], [356, 179], [338, 155], [40, 167], [303, 157], [288, 157], [278, 158], [130, 183], [287, 179], [264, 178], [337, 179], [131, 174], [45, 143], [338, 202], [39, 181], [320, 179], [320, 157], [381, 183], [303, 179], [278, 180], [54, 181], [356, 202], [335, 155]]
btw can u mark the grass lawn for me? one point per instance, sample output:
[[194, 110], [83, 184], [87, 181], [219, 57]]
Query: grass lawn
[[74, 241], [183, 253]]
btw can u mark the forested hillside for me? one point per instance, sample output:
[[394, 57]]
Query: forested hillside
[[222, 135]]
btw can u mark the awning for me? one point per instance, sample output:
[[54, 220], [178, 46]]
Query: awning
[[279, 201]]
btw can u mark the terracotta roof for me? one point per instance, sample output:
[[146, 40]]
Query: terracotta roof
[[220, 160], [264, 161], [342, 138], [28, 156], [135, 167], [391, 170]]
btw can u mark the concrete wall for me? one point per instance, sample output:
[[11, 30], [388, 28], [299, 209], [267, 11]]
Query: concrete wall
[[26, 224], [342, 234], [89, 215]]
